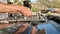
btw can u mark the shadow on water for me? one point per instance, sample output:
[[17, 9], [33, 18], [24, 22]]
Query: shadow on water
[[56, 20]]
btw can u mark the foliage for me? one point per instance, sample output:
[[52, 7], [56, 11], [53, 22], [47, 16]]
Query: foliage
[[50, 4], [18, 2], [34, 9]]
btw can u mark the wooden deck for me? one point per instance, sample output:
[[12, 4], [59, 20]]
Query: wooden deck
[[5, 25], [41, 32], [21, 29]]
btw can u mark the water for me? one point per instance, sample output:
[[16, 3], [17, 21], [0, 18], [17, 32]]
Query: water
[[50, 29]]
